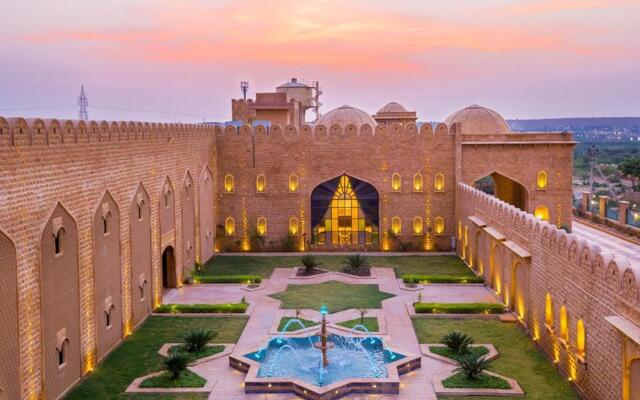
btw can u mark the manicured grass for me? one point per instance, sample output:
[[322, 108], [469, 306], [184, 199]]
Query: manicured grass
[[228, 308], [458, 308], [206, 351], [138, 356], [371, 323], [295, 326], [187, 379], [426, 279], [246, 279], [447, 352], [484, 381], [263, 266], [337, 296], [519, 358]]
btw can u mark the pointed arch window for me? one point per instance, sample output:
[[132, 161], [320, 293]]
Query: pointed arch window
[[261, 226], [396, 182], [293, 225], [417, 226], [396, 225], [261, 183], [417, 183], [548, 312], [439, 182], [58, 241], [564, 325], [293, 183], [541, 212], [581, 339], [230, 226], [542, 180], [438, 225], [228, 183]]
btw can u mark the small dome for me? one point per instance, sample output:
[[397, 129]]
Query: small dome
[[346, 115], [392, 107], [478, 120]]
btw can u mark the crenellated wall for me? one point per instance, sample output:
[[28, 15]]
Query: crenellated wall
[[545, 270], [85, 172]]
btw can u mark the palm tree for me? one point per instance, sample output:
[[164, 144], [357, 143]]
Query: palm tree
[[310, 263], [356, 264]]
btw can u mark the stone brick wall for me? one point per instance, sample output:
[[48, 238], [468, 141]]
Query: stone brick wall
[[44, 163], [588, 281]]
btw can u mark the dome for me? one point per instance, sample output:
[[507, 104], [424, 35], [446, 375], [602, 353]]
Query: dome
[[478, 120], [392, 107], [346, 115]]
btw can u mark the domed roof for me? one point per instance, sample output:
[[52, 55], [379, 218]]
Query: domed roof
[[478, 120], [346, 115], [392, 107]]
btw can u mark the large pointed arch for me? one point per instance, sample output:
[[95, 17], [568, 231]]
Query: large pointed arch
[[505, 188], [207, 220], [167, 217], [141, 268], [9, 343]]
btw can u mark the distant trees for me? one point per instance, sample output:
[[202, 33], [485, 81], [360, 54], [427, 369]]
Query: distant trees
[[631, 168]]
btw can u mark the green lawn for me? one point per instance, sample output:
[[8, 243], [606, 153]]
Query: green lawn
[[484, 381], [519, 359], [138, 355], [187, 379], [447, 352], [263, 266], [337, 296], [371, 323]]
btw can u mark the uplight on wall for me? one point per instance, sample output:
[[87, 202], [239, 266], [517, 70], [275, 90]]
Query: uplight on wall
[[396, 225], [396, 182], [439, 183], [229, 226], [438, 225], [417, 183], [542, 180], [541, 212], [261, 183], [293, 183], [228, 183], [548, 311], [581, 339], [417, 226], [564, 328], [293, 225]]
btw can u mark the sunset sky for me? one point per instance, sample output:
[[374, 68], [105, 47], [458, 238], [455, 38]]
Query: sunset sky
[[184, 59]]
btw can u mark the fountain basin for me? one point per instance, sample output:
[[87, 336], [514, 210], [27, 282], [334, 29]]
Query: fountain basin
[[292, 364]]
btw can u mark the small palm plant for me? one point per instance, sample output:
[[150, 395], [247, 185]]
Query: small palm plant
[[355, 264], [176, 362], [196, 339], [472, 366], [457, 342], [310, 263], [363, 312]]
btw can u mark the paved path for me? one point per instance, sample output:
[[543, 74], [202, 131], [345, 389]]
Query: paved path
[[608, 242], [396, 326]]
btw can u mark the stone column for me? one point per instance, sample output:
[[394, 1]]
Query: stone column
[[622, 212], [602, 212], [585, 201]]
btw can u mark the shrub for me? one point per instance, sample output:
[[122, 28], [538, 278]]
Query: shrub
[[176, 362], [310, 263], [457, 342], [237, 308], [228, 279], [458, 308], [355, 263], [289, 243], [425, 279], [472, 366], [196, 339]]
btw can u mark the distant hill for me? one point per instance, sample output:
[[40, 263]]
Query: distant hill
[[606, 129]]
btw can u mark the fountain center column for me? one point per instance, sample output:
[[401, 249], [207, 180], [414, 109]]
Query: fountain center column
[[323, 336]]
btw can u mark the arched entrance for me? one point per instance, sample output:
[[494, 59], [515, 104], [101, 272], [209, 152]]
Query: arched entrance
[[344, 211], [504, 188], [168, 268]]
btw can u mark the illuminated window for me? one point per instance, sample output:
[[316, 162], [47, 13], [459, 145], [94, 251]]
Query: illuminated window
[[466, 235], [439, 226], [548, 311], [261, 183], [396, 182], [417, 183], [293, 183], [293, 225], [439, 182], [580, 339], [542, 212], [564, 328], [230, 226], [228, 183], [417, 226], [396, 225], [459, 229], [542, 180], [261, 226]]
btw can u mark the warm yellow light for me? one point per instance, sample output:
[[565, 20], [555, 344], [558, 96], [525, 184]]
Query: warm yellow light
[[417, 225], [396, 182], [396, 225], [439, 226], [548, 311], [230, 226], [293, 183], [541, 212], [293, 225], [542, 180], [261, 226], [417, 183], [228, 183], [580, 338], [261, 183], [439, 182], [564, 329]]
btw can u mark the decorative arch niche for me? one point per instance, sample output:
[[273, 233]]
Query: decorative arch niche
[[141, 270]]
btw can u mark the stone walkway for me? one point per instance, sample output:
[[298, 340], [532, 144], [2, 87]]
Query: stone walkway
[[266, 313], [608, 242]]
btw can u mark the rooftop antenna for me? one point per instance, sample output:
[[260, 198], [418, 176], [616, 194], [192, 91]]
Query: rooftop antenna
[[83, 102], [244, 86], [317, 91]]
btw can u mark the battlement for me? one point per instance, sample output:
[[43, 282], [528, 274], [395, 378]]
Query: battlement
[[35, 131]]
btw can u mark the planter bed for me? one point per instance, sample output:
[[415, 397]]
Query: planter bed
[[227, 308], [458, 308], [241, 279], [428, 279]]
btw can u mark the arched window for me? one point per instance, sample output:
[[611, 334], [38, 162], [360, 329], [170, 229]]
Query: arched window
[[106, 224], [228, 183], [542, 180], [261, 183], [439, 226], [396, 182], [417, 226], [459, 229], [293, 183], [542, 212], [466, 235], [293, 225], [580, 339], [261, 226], [396, 225], [417, 183], [229, 226], [57, 241], [548, 311], [564, 328], [439, 182]]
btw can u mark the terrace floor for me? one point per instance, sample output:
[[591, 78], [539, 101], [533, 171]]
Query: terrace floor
[[607, 242]]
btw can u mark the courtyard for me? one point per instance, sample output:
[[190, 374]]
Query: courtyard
[[382, 302]]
